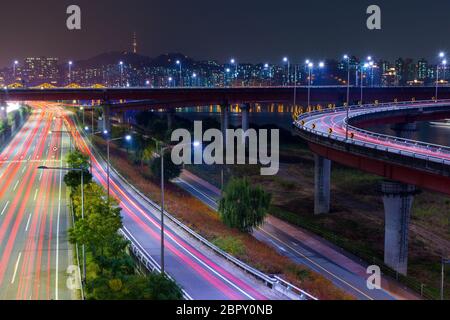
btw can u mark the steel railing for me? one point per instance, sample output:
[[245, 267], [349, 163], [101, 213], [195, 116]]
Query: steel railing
[[274, 282], [367, 110]]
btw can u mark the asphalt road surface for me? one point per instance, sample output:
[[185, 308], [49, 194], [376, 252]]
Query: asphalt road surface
[[34, 218], [201, 273], [345, 271]]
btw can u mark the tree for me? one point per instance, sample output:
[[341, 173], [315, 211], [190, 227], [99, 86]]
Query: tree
[[242, 206], [102, 221], [139, 144], [148, 153], [154, 286], [171, 170], [77, 159]]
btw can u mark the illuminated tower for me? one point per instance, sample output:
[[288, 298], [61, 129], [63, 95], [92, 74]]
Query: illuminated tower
[[134, 43]]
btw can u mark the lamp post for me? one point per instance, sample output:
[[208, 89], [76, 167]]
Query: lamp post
[[227, 72], [233, 62], [362, 67], [163, 149], [108, 164], [121, 73], [310, 66], [268, 73], [194, 80], [80, 169], [70, 71], [371, 65], [286, 61], [14, 69], [170, 81], [444, 63], [347, 58], [178, 62], [82, 110]]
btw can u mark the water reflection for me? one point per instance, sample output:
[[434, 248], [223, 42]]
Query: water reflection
[[278, 114], [426, 132]]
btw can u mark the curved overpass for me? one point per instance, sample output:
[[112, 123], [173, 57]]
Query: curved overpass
[[408, 161], [405, 163]]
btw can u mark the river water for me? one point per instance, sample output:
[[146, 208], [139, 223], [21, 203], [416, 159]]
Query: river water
[[426, 132]]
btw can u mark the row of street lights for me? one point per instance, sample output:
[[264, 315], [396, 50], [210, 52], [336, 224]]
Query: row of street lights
[[369, 64]]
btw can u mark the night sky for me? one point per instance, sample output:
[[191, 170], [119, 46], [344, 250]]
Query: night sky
[[250, 30]]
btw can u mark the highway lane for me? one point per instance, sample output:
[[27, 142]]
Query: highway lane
[[200, 272], [302, 247], [34, 250]]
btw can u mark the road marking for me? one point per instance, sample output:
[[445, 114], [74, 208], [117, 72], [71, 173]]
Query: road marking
[[57, 232], [4, 208], [35, 194], [316, 264], [15, 186], [277, 245], [16, 267], [28, 222], [40, 176], [23, 170]]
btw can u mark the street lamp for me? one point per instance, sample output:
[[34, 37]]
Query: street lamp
[[286, 60], [194, 77], [268, 72], [178, 62], [236, 72], [108, 141], [310, 66], [121, 73], [362, 67], [371, 65], [163, 149], [444, 63], [82, 110], [70, 71], [80, 169], [347, 58], [14, 69], [170, 81], [227, 71]]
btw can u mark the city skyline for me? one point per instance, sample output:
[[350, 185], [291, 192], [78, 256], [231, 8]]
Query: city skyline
[[256, 32], [170, 70]]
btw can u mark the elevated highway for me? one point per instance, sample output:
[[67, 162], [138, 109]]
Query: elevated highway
[[405, 163], [207, 96]]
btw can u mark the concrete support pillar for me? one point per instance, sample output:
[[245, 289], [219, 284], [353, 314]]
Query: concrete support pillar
[[122, 117], [245, 108], [170, 113], [3, 111], [405, 130], [397, 198], [224, 120], [106, 123], [322, 177]]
